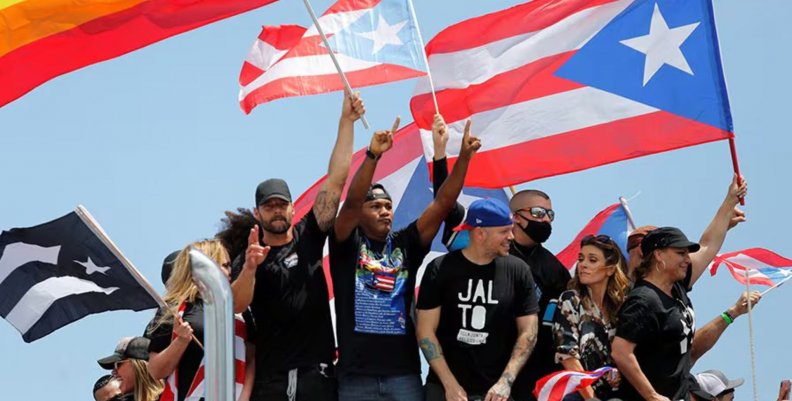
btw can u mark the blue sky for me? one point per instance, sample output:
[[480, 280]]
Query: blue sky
[[155, 146]]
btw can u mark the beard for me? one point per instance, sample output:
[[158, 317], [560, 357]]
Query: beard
[[276, 225]]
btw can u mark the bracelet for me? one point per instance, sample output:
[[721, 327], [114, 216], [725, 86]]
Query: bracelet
[[728, 319], [371, 155]]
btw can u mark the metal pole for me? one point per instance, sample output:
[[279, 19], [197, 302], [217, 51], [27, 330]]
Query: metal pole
[[627, 212], [218, 327]]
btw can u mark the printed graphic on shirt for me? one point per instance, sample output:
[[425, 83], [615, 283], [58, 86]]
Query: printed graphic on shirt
[[380, 282], [473, 305], [688, 328], [291, 260]]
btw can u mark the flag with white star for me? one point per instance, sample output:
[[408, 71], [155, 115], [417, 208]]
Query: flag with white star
[[576, 84], [58, 272], [375, 42]]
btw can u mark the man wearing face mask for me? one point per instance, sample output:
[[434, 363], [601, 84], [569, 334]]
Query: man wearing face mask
[[533, 217]]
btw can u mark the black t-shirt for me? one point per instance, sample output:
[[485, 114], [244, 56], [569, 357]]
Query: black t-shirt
[[191, 359], [662, 329], [550, 278], [290, 303], [374, 284], [479, 305]]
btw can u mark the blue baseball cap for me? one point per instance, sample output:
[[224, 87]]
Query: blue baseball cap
[[487, 212]]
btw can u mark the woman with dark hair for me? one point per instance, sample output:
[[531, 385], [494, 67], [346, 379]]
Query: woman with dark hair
[[585, 321], [655, 329]]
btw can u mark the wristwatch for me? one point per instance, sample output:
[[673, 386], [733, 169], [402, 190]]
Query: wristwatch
[[371, 155]]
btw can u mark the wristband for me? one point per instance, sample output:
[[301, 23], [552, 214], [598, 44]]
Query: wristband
[[371, 155], [726, 318]]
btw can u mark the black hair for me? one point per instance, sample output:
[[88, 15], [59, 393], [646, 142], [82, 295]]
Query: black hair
[[235, 229]]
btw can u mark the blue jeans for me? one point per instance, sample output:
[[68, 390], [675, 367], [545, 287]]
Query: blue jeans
[[357, 387]]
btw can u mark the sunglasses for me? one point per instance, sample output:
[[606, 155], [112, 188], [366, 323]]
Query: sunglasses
[[537, 212], [118, 364]]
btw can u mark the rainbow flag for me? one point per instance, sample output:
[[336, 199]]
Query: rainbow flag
[[42, 39]]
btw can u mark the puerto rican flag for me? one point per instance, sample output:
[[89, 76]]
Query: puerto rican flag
[[557, 86], [555, 386], [403, 171], [763, 267], [611, 221], [375, 41]]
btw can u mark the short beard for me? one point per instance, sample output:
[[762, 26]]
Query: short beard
[[271, 228]]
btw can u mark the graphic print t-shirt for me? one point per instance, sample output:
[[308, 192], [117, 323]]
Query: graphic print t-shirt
[[374, 284], [478, 307], [662, 329], [290, 303]]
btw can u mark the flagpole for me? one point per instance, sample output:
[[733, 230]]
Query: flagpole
[[627, 212], [423, 53], [751, 335], [95, 228], [780, 283], [332, 55]]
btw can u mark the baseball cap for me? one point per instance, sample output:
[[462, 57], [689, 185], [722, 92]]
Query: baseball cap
[[127, 348], [635, 237], [715, 382], [167, 266], [489, 212], [666, 237], [377, 191], [272, 188]]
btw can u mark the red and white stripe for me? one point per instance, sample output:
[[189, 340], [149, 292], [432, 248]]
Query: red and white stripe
[[498, 70], [290, 60], [555, 386], [197, 389], [384, 283], [751, 261]]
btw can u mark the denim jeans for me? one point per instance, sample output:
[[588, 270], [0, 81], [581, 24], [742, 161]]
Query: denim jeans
[[357, 387]]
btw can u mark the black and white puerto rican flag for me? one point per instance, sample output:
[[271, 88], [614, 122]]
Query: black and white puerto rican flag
[[59, 272]]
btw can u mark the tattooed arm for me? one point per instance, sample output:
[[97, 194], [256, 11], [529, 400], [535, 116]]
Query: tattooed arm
[[327, 199], [527, 329], [428, 319]]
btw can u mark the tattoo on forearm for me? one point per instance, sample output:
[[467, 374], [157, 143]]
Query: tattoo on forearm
[[430, 350], [325, 208]]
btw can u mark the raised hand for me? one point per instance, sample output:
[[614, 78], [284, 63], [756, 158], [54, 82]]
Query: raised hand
[[255, 253], [737, 191], [439, 137], [382, 141], [182, 329], [741, 306], [470, 144], [353, 107]]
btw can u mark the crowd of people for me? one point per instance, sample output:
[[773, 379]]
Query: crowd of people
[[491, 317]]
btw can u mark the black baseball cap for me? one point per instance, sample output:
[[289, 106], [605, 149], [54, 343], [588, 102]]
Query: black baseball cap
[[167, 266], [377, 191], [666, 237], [272, 188], [127, 348]]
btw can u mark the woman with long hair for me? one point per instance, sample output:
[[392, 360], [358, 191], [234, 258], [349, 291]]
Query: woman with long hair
[[585, 321], [173, 350], [129, 365]]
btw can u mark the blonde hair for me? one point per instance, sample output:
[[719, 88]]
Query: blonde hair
[[180, 286], [147, 388]]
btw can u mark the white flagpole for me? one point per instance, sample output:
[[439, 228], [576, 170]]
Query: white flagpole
[[628, 212], [423, 53], [332, 55], [780, 283], [751, 335], [95, 228]]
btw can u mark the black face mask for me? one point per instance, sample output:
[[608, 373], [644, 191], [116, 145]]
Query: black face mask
[[538, 231]]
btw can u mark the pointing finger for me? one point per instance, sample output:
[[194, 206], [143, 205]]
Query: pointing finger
[[396, 124]]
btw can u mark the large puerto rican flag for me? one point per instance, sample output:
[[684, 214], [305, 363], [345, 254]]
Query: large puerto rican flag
[[556, 86], [611, 221], [375, 41], [403, 172]]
